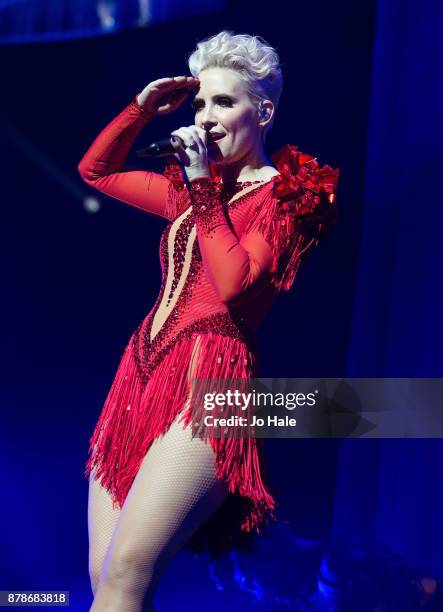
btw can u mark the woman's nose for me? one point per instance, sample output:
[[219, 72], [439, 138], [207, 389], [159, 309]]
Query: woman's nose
[[207, 118]]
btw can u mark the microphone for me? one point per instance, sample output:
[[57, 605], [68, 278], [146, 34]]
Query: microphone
[[160, 148]]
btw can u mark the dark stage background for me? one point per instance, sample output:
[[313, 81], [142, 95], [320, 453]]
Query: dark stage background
[[361, 93]]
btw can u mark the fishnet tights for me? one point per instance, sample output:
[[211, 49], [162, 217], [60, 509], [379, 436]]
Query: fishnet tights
[[174, 492]]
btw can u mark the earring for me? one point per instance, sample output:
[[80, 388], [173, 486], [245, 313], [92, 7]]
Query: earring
[[263, 111]]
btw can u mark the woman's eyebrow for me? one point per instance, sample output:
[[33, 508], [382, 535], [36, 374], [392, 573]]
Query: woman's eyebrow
[[220, 95]]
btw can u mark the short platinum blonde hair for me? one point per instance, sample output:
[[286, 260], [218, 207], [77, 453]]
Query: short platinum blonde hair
[[251, 57]]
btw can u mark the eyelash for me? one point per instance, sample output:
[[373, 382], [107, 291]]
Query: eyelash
[[197, 106]]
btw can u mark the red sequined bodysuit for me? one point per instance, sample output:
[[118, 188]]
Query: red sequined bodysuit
[[224, 256]]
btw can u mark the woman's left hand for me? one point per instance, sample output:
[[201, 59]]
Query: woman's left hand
[[193, 155]]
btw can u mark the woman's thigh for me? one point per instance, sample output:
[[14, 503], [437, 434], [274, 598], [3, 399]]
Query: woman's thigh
[[102, 519], [174, 492]]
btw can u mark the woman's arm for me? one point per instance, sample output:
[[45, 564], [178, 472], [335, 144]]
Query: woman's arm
[[233, 266], [103, 165], [278, 235]]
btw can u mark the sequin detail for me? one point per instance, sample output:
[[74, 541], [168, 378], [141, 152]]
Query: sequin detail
[[222, 324], [206, 205], [210, 199], [148, 353], [180, 245]]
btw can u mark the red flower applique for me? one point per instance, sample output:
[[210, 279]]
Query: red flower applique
[[305, 189]]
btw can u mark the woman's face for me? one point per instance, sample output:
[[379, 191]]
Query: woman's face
[[223, 108]]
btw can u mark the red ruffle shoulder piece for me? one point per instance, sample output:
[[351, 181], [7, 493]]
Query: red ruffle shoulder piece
[[305, 189], [301, 210]]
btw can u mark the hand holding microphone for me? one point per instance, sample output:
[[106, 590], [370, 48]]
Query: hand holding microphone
[[188, 145], [192, 153]]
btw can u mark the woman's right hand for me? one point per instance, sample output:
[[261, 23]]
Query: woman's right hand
[[165, 95]]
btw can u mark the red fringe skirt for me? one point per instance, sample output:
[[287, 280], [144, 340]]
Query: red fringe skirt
[[135, 413]]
